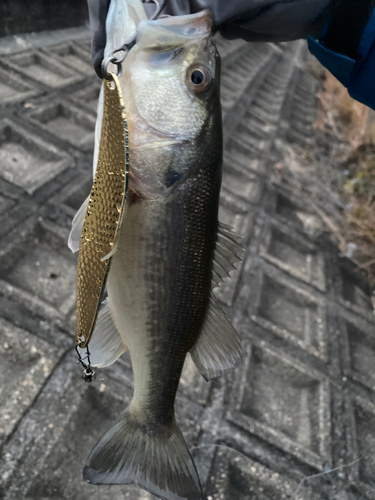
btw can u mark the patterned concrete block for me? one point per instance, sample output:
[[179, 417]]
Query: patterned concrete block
[[30, 313], [73, 56], [284, 402], [28, 161], [271, 94], [293, 211], [71, 197], [85, 44], [26, 362], [359, 351], [302, 114], [292, 313], [63, 206], [263, 112], [87, 97], [240, 71], [355, 290], [228, 48], [43, 69], [271, 101], [13, 89], [250, 134], [69, 417], [234, 476], [243, 119], [294, 254], [301, 404], [361, 443], [249, 188], [43, 266], [265, 129], [6, 204], [239, 217], [11, 213], [247, 136], [67, 122], [238, 157], [52, 464]]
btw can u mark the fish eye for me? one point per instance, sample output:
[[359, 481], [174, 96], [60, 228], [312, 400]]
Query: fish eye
[[198, 78]]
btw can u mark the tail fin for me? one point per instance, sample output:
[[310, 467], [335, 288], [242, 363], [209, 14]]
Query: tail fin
[[156, 459]]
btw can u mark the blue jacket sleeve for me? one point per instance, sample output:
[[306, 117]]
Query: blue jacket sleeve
[[358, 75]]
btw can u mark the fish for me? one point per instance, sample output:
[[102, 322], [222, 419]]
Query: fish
[[171, 252]]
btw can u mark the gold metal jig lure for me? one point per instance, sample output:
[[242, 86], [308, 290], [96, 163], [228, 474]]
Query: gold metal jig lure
[[104, 212]]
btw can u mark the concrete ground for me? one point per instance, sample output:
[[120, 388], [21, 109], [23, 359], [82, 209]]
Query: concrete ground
[[297, 419]]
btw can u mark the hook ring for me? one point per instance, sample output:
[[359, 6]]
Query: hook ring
[[105, 64]]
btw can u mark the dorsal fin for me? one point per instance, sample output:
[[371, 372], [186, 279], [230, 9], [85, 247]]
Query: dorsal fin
[[226, 255]]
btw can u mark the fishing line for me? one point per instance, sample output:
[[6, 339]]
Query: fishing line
[[307, 478], [220, 446], [325, 473]]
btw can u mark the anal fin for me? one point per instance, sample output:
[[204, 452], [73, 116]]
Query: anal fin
[[218, 348], [105, 345]]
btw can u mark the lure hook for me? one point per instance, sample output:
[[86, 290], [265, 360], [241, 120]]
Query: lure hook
[[88, 373], [117, 61]]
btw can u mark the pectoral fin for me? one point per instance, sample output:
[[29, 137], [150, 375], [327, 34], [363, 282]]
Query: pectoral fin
[[105, 345], [218, 348], [77, 226]]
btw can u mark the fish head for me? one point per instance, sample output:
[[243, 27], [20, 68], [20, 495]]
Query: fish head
[[171, 86]]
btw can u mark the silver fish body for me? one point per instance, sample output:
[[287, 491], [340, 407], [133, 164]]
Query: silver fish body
[[160, 304]]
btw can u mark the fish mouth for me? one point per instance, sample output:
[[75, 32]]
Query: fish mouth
[[165, 29], [196, 25]]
